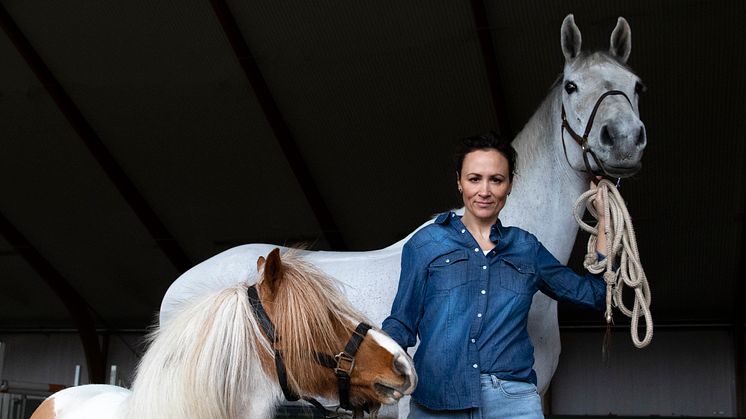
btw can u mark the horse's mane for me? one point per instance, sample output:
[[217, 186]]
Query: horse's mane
[[205, 363], [309, 308]]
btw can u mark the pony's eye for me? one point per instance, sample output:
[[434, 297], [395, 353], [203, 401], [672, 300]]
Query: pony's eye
[[640, 88], [570, 87]]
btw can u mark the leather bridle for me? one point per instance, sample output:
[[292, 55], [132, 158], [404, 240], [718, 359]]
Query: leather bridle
[[343, 363], [583, 140]]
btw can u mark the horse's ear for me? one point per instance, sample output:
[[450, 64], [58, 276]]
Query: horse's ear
[[273, 269], [260, 263], [621, 40], [570, 38]]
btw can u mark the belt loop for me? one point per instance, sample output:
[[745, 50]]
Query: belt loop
[[494, 381]]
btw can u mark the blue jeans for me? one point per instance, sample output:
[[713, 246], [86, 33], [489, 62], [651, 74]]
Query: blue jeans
[[500, 399]]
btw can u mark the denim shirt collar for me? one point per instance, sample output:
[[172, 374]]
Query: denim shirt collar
[[450, 217]]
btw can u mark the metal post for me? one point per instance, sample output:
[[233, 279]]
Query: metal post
[[76, 381], [2, 359], [113, 375]]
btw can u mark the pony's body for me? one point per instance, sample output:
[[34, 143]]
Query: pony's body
[[212, 359], [547, 182]]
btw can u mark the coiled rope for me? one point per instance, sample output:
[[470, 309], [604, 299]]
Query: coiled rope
[[620, 245]]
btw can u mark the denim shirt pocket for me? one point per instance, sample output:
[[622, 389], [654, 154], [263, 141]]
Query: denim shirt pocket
[[518, 275], [448, 271]]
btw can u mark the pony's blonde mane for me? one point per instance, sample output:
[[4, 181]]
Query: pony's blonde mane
[[204, 364], [309, 310]]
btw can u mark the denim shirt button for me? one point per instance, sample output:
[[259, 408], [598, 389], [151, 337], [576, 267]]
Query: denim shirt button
[[463, 230], [448, 260], [475, 366], [476, 249], [484, 266], [484, 292], [479, 314], [473, 340]]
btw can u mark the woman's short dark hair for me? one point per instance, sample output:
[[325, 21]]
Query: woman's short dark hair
[[487, 141]]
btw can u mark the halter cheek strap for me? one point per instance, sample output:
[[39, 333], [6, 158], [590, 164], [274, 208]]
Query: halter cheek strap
[[583, 141], [343, 363], [269, 330]]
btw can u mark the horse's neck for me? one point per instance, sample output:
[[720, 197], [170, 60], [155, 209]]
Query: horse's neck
[[545, 185]]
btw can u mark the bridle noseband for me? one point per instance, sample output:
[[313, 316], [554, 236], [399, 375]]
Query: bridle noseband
[[343, 363], [583, 141]]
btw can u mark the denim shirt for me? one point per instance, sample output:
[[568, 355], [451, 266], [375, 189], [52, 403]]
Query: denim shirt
[[470, 310]]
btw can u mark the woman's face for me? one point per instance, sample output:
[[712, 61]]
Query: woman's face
[[485, 184]]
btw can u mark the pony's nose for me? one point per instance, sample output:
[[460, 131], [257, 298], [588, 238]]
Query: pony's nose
[[403, 365]]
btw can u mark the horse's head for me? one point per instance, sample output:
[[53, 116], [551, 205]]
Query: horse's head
[[314, 322], [600, 104]]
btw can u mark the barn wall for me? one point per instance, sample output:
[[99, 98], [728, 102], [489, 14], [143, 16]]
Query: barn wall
[[681, 373], [34, 360]]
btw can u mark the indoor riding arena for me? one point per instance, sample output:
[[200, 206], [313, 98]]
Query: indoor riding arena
[[154, 154]]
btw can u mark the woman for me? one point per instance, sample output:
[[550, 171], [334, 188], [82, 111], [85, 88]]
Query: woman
[[465, 289]]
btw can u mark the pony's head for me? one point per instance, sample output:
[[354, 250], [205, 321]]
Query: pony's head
[[613, 133], [311, 317]]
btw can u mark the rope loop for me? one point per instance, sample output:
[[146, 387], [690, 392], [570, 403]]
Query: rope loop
[[621, 245]]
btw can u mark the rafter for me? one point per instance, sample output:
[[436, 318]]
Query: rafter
[[279, 126], [489, 59]]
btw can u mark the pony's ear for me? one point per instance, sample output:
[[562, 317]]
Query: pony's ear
[[273, 269], [621, 40], [260, 263], [570, 38]]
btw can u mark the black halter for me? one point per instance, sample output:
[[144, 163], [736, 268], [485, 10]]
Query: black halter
[[343, 363], [583, 141]]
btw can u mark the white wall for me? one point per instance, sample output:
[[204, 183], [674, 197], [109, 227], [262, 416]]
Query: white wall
[[681, 373]]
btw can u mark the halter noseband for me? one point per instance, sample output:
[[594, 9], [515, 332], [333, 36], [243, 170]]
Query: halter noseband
[[343, 363], [583, 141]]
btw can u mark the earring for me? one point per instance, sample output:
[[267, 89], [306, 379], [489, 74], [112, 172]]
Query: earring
[[460, 190]]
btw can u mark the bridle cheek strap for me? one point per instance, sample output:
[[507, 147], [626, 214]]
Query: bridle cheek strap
[[583, 141]]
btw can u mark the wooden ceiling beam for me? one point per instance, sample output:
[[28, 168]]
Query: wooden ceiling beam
[[279, 127], [489, 59], [163, 238]]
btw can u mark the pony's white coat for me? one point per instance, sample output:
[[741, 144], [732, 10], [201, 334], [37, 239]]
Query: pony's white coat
[[544, 190]]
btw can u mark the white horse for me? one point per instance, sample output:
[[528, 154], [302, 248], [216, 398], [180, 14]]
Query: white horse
[[548, 181]]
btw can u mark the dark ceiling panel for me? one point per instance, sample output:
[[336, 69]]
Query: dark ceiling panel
[[375, 94], [168, 97], [88, 135]]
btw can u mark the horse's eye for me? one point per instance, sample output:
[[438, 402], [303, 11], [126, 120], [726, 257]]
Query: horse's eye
[[640, 88], [570, 87]]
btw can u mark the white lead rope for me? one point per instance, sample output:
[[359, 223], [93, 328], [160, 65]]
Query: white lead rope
[[620, 244]]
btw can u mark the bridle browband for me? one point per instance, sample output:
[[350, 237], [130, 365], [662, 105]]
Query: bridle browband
[[343, 363], [583, 141]]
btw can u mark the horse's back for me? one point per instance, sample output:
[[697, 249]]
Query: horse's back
[[369, 279], [94, 401]]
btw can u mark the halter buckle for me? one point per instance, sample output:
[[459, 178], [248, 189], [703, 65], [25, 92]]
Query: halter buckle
[[345, 363]]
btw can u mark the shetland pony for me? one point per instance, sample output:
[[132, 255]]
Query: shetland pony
[[215, 361]]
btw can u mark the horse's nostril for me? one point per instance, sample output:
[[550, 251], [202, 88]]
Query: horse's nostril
[[399, 365], [641, 137], [606, 137]]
